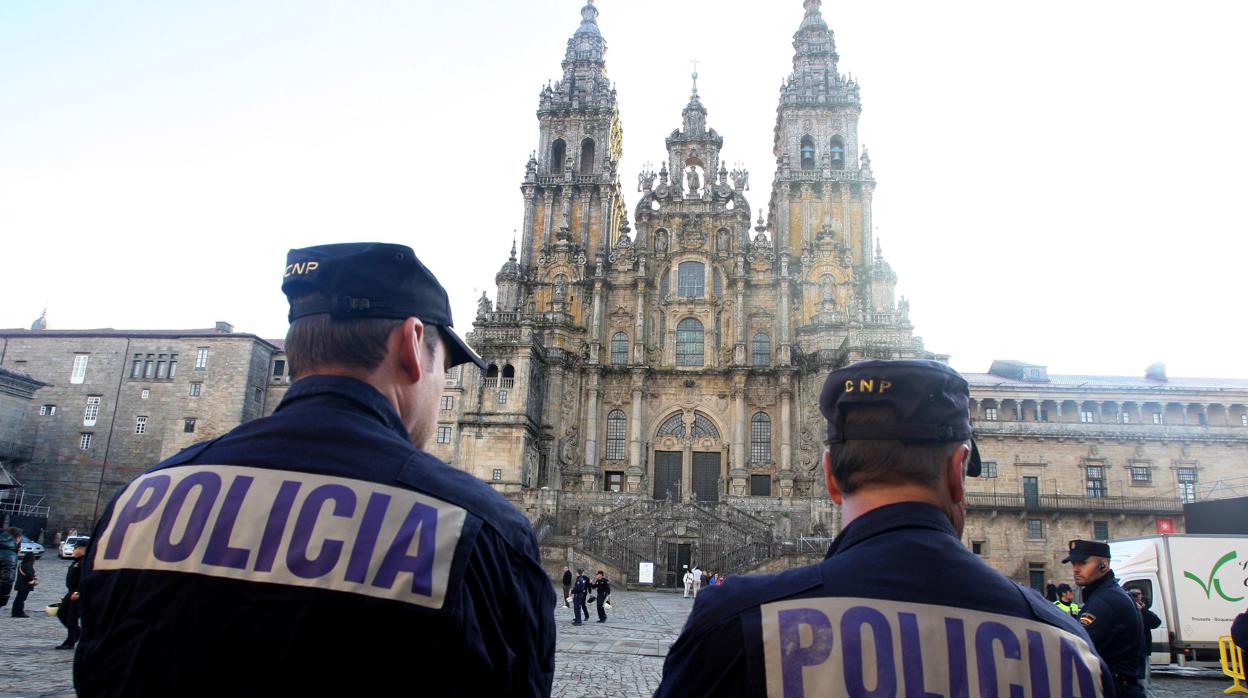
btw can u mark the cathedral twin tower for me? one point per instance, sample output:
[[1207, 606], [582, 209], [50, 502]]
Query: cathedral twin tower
[[682, 359]]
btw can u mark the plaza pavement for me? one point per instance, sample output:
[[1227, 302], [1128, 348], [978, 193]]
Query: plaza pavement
[[622, 658]]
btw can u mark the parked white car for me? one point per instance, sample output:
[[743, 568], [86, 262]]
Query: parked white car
[[29, 546], [67, 548]]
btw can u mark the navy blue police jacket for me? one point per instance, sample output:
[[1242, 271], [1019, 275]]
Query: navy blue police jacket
[[898, 607], [1114, 623], [311, 552]]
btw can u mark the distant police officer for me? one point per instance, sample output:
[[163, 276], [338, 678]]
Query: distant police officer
[[1066, 600], [319, 551], [1109, 615], [887, 612]]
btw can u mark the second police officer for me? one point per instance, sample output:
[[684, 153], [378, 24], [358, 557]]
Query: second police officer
[[319, 550], [898, 606], [1109, 615]]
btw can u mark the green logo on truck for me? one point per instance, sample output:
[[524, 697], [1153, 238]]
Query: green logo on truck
[[1211, 584]]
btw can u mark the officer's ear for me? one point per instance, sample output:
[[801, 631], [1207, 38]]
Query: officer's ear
[[409, 348], [955, 469], [834, 489]]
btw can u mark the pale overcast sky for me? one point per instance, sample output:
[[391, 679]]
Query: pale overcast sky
[[1059, 182]]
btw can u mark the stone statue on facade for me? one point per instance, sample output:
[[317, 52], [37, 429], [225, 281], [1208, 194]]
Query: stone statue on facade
[[660, 242], [484, 307], [693, 180], [568, 447]]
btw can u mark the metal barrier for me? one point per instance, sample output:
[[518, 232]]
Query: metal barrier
[[1232, 657]]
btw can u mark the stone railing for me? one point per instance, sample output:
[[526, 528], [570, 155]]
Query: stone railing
[[1074, 502], [1108, 430], [555, 179], [820, 175]]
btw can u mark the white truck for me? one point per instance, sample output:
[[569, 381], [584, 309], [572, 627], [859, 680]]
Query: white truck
[[1197, 584]]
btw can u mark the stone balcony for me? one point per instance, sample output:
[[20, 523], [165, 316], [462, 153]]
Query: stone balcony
[[1080, 430], [1072, 503]]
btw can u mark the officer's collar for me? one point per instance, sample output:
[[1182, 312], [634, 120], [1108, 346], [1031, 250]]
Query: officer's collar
[[351, 389], [888, 518]]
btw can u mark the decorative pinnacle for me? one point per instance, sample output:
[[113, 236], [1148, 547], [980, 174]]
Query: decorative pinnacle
[[513, 244], [695, 76]]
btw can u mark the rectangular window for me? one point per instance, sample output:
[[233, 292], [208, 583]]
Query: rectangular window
[[1156, 418], [990, 414], [988, 468], [279, 368], [1141, 474], [140, 424], [447, 403], [92, 412], [502, 397], [84, 440], [1086, 416], [616, 425], [1100, 530], [1035, 529], [1243, 420], [145, 394], [979, 547], [1096, 481], [173, 365], [498, 473], [257, 396], [453, 375], [136, 367], [444, 435], [1187, 484], [162, 367], [201, 358], [47, 410], [613, 481], [79, 372], [196, 389], [188, 425], [1125, 418], [149, 366], [760, 485]]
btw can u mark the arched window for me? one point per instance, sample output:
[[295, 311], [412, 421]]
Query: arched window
[[808, 153], [616, 422], [760, 352], [673, 426], [587, 156], [509, 377], [690, 343], [665, 284], [558, 152], [703, 426], [619, 349], [717, 283], [662, 330], [838, 153], [760, 438], [491, 376], [691, 280]]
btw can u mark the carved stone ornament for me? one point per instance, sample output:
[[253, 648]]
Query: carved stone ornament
[[568, 450]]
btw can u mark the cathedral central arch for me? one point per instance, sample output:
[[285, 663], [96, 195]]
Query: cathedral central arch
[[689, 457]]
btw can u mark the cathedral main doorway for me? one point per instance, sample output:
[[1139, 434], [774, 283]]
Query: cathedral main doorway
[[706, 476], [667, 474]]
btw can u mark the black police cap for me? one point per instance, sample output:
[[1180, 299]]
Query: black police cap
[[356, 280], [929, 399], [1081, 550]]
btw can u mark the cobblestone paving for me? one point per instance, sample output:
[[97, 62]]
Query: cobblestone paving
[[620, 658]]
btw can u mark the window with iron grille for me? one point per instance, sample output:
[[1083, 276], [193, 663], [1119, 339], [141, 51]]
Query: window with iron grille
[[1187, 484], [47, 410], [84, 440], [616, 422], [498, 473], [1100, 530], [140, 425], [691, 280], [761, 350], [1141, 474], [619, 349], [613, 481], [188, 425], [760, 438], [760, 485], [1096, 481], [1035, 529], [690, 343]]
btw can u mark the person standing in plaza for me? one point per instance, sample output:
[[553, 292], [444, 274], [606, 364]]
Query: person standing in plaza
[[69, 610], [602, 589], [10, 544], [25, 583], [688, 581], [1066, 600], [580, 589], [1109, 615], [697, 580], [1150, 622], [567, 585], [297, 551], [892, 601]]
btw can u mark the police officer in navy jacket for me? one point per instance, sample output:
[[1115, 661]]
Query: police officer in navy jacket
[[1109, 615], [319, 550], [889, 611]]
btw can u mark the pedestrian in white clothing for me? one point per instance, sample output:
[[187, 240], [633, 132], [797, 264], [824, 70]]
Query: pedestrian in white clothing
[[697, 580], [688, 581]]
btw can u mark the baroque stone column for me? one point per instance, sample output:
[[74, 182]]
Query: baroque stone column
[[530, 200], [786, 428], [635, 471], [739, 474], [548, 198], [589, 471]]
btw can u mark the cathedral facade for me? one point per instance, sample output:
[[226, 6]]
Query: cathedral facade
[[679, 357]]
